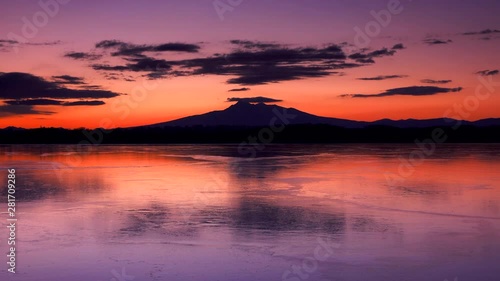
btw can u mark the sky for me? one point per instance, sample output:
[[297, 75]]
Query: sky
[[75, 63]]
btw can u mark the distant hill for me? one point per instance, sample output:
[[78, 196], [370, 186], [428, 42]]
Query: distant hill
[[260, 114]]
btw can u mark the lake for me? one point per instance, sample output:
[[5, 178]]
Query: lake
[[293, 212]]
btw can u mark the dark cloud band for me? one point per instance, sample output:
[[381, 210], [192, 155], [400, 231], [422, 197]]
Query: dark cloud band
[[382, 77], [254, 100], [407, 91], [249, 62]]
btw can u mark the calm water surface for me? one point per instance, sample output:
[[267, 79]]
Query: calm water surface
[[295, 212]]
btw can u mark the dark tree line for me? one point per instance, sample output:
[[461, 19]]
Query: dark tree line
[[222, 134]]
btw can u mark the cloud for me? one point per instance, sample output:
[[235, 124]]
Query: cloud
[[11, 45], [8, 41], [91, 87], [107, 67], [83, 102], [13, 110], [487, 34], [248, 63], [252, 67], [68, 80], [18, 85], [434, 41], [482, 32], [254, 44], [22, 92], [239, 90], [488, 72], [408, 91], [254, 100], [109, 44], [157, 68], [380, 53], [260, 75], [121, 48], [117, 76], [368, 57], [398, 46], [431, 81], [145, 64], [7, 45], [382, 77], [82, 56], [33, 102], [273, 65]]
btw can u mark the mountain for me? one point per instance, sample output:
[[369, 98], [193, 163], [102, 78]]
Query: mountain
[[256, 115], [244, 114]]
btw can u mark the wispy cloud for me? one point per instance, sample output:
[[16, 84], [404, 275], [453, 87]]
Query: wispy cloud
[[82, 56], [382, 77], [369, 56], [488, 72], [254, 100], [407, 91], [83, 102], [485, 34], [32, 102], [435, 41], [247, 44], [398, 46], [68, 80], [8, 41], [239, 90], [432, 81], [482, 32], [7, 45]]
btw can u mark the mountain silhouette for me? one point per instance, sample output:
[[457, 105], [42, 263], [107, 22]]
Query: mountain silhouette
[[245, 114], [244, 122], [256, 115]]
